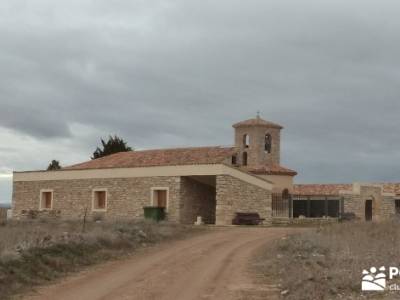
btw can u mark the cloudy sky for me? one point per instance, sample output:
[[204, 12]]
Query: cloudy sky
[[179, 73]]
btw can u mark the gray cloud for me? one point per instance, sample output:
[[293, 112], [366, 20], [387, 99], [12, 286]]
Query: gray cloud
[[178, 73]]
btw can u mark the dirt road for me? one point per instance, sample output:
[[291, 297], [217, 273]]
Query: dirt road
[[214, 265]]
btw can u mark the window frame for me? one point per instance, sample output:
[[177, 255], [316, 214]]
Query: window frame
[[42, 192], [159, 188], [94, 191]]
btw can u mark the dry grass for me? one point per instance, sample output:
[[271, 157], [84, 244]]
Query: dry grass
[[36, 252], [326, 263]]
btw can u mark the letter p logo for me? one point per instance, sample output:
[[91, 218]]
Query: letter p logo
[[393, 272]]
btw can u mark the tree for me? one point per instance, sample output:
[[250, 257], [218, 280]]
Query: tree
[[113, 145], [54, 165]]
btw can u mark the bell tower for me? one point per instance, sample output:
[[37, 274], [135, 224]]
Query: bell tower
[[258, 142]]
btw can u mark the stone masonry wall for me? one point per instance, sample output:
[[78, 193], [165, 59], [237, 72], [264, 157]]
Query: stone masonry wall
[[197, 199], [126, 196], [256, 155], [352, 204], [234, 195], [383, 205], [388, 207]]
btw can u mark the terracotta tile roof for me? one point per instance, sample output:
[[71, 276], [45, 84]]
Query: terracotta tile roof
[[321, 189], [334, 189], [392, 188], [257, 121], [273, 170], [159, 157]]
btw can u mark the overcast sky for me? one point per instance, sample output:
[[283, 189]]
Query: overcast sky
[[180, 73]]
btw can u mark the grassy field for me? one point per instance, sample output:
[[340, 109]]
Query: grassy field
[[326, 263], [36, 252]]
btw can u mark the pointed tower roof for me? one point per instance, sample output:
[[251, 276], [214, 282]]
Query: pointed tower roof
[[257, 121]]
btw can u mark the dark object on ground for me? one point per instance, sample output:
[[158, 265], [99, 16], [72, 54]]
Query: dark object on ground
[[154, 213], [247, 219], [348, 217]]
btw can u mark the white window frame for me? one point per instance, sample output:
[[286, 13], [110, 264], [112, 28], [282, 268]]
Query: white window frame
[[42, 191], [162, 188], [94, 199]]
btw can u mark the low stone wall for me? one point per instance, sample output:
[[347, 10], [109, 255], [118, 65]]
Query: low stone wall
[[303, 221], [315, 221], [234, 195]]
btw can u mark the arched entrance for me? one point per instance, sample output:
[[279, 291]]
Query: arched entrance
[[368, 210]]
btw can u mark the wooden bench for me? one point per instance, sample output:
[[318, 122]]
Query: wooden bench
[[247, 219]]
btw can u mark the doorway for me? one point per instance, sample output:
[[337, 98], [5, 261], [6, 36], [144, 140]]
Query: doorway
[[397, 205], [368, 210]]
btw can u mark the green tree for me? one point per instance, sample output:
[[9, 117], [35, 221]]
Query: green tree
[[113, 145], [54, 165]]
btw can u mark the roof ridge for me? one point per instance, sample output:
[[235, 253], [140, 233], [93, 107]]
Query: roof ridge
[[257, 121], [183, 148], [323, 184], [154, 157]]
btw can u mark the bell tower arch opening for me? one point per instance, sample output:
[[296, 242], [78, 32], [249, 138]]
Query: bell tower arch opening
[[268, 143], [246, 140]]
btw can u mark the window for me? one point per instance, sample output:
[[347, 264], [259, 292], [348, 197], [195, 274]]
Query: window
[[159, 197], [268, 143], [244, 161], [99, 200], [46, 200], [246, 141]]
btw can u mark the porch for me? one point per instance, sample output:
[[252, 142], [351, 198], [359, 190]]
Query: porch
[[302, 207]]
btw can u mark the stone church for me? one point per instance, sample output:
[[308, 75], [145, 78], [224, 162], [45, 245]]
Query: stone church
[[211, 182]]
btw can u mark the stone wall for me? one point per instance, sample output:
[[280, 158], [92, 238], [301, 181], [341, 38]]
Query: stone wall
[[383, 205], [256, 155], [197, 199], [126, 196], [388, 207], [234, 195], [352, 204]]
